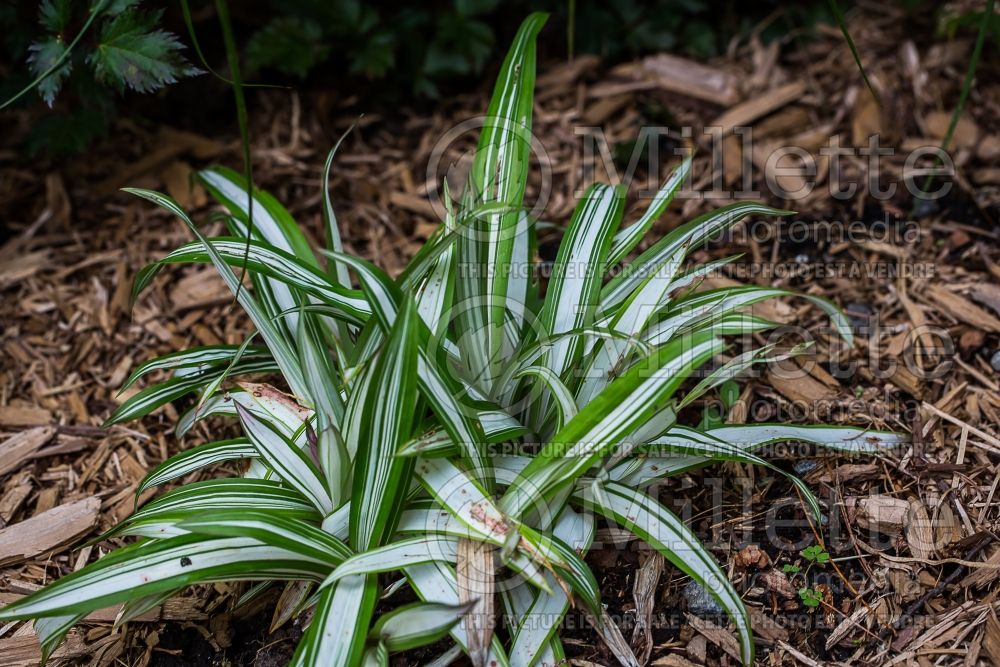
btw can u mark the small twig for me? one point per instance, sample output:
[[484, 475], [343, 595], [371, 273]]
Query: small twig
[[848, 618], [994, 442], [950, 579], [819, 541], [923, 561], [918, 460]]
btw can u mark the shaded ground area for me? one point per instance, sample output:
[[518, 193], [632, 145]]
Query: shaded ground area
[[897, 588]]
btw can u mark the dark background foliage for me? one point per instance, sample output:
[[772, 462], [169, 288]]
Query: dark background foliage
[[379, 53], [384, 53]]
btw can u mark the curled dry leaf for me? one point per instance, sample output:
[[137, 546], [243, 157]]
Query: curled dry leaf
[[644, 593], [918, 530], [777, 582], [751, 556], [474, 568]]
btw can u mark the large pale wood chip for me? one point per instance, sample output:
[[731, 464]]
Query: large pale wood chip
[[16, 492], [987, 294], [799, 655], [919, 530], [172, 143], [866, 120], [17, 415], [776, 582], [983, 576], [175, 609], [907, 380], [414, 204], [853, 472], [673, 660], [719, 636], [24, 650], [763, 104], [567, 73], [786, 170], [199, 288], [883, 514], [48, 530], [962, 309], [965, 135], [848, 625], [766, 628], [697, 649], [693, 79], [16, 450], [18, 267], [991, 639], [800, 387]]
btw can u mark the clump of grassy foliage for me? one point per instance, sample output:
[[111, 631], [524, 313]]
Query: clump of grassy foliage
[[446, 422]]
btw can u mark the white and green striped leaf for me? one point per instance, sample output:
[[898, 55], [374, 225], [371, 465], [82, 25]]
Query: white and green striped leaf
[[612, 355], [691, 234], [273, 336], [195, 357], [463, 497], [437, 386], [847, 439], [690, 442], [702, 310], [498, 176], [273, 528], [291, 464], [608, 420], [417, 624], [196, 458], [629, 237], [574, 287], [339, 626], [271, 221], [564, 402], [534, 635], [51, 630], [737, 365], [382, 421], [155, 396], [147, 568], [321, 378], [437, 582], [397, 556], [136, 607], [162, 516], [333, 240], [277, 265], [662, 530]]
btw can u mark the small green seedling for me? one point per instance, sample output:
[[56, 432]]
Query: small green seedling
[[810, 597], [816, 554]]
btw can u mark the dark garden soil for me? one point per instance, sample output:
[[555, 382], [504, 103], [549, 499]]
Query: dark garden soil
[[896, 591]]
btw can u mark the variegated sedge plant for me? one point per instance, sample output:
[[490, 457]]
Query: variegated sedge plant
[[378, 463]]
